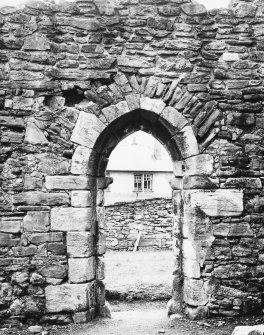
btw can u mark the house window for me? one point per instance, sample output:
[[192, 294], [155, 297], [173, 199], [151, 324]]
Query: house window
[[143, 182], [138, 182]]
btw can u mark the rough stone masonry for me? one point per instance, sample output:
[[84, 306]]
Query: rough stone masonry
[[76, 78]]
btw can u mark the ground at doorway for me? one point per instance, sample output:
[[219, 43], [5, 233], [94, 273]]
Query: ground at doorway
[[141, 318], [140, 275]]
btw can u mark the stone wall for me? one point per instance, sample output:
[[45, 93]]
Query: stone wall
[[152, 218], [77, 78]]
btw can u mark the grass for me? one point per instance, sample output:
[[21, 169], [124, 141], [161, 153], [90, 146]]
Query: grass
[[140, 275]]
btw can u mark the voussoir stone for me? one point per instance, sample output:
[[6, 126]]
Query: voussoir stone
[[80, 244], [67, 298], [87, 129], [186, 142], [114, 111], [68, 182], [71, 219], [153, 105], [81, 270], [175, 118]]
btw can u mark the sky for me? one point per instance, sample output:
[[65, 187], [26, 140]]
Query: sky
[[210, 4]]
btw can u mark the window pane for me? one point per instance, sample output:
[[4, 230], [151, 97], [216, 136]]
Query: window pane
[[148, 182], [137, 182]]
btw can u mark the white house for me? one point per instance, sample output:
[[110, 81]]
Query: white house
[[141, 169]]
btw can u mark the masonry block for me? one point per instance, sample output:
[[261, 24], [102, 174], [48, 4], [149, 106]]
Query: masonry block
[[36, 221], [81, 270], [82, 199], [87, 129], [153, 105], [80, 244], [199, 165], [68, 182], [71, 219], [67, 298], [221, 202]]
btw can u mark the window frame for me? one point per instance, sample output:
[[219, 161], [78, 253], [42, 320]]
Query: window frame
[[145, 180]]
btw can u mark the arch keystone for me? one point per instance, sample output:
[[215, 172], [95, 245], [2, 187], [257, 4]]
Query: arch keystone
[[153, 105], [114, 111]]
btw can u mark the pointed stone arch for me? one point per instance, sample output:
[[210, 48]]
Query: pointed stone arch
[[95, 133]]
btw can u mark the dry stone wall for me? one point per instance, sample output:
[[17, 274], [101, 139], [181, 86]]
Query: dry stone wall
[[75, 79], [152, 219]]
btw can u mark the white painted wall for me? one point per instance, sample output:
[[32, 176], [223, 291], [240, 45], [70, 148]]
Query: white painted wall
[[122, 188]]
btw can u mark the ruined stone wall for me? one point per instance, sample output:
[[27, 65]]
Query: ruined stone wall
[[76, 78], [152, 218]]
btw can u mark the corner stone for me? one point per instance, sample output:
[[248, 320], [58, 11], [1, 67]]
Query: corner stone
[[81, 270], [67, 298]]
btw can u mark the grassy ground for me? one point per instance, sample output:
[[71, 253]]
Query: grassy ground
[[139, 275]]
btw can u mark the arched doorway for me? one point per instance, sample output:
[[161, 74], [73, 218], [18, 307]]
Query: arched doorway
[[172, 130]]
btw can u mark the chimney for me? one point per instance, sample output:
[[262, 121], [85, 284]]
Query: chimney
[[134, 140], [157, 150]]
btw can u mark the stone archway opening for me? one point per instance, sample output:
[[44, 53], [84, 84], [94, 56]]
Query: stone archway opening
[[177, 137], [139, 222]]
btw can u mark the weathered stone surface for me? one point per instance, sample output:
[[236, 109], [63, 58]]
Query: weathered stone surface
[[199, 165], [36, 42], [22, 103], [7, 225], [71, 219], [68, 182], [244, 10], [187, 143], [34, 135], [248, 330], [81, 199], [153, 105], [133, 101], [135, 62], [79, 23], [80, 160], [87, 130], [222, 202], [80, 244], [51, 164], [196, 313], [194, 9], [112, 112], [175, 118], [36, 221], [199, 182], [81, 270], [254, 183], [195, 292], [67, 298], [41, 198]]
